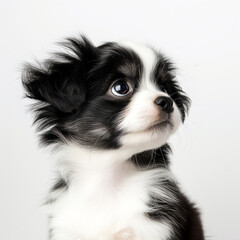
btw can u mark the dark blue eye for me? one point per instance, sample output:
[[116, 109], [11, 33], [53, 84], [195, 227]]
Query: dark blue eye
[[120, 88]]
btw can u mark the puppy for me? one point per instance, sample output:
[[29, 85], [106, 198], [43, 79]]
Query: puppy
[[109, 111]]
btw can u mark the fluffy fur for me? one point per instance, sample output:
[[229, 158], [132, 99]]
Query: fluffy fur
[[110, 111]]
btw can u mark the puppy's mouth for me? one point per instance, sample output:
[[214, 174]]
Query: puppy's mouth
[[162, 123]]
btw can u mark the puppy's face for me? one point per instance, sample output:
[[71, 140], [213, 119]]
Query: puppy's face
[[111, 96]]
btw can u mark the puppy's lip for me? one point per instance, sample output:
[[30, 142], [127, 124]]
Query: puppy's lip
[[157, 125], [162, 123]]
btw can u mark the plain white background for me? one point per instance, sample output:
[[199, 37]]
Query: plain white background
[[201, 37]]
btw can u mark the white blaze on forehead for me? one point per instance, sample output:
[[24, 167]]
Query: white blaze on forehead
[[148, 58]]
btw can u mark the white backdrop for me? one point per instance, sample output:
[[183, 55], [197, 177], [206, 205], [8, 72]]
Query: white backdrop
[[202, 38]]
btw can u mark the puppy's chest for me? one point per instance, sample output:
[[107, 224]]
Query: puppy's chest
[[106, 206]]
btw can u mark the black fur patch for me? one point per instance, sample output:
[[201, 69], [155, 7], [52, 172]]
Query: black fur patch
[[152, 158], [59, 185], [181, 215], [56, 190]]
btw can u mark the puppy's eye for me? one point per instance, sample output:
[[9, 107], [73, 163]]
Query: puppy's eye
[[120, 88]]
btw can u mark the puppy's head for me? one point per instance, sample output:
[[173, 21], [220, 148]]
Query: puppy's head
[[113, 96]]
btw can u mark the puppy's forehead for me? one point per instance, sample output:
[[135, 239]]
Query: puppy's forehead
[[148, 59]]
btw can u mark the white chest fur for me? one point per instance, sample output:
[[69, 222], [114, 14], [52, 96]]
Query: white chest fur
[[109, 204]]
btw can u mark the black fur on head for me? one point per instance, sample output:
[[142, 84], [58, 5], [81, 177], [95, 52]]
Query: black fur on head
[[71, 91]]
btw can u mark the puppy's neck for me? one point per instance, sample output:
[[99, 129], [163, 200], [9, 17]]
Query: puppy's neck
[[75, 160]]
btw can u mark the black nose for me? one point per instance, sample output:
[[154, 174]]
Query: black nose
[[166, 103]]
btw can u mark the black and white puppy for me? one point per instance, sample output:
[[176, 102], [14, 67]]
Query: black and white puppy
[[110, 111]]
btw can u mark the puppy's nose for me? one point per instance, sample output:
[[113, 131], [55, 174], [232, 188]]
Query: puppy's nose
[[166, 103]]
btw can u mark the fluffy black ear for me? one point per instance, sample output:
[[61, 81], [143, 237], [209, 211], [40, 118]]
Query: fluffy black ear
[[60, 82]]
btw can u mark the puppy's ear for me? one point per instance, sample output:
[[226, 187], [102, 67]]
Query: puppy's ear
[[60, 82]]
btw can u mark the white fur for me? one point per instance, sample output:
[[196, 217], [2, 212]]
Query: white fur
[[107, 196]]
